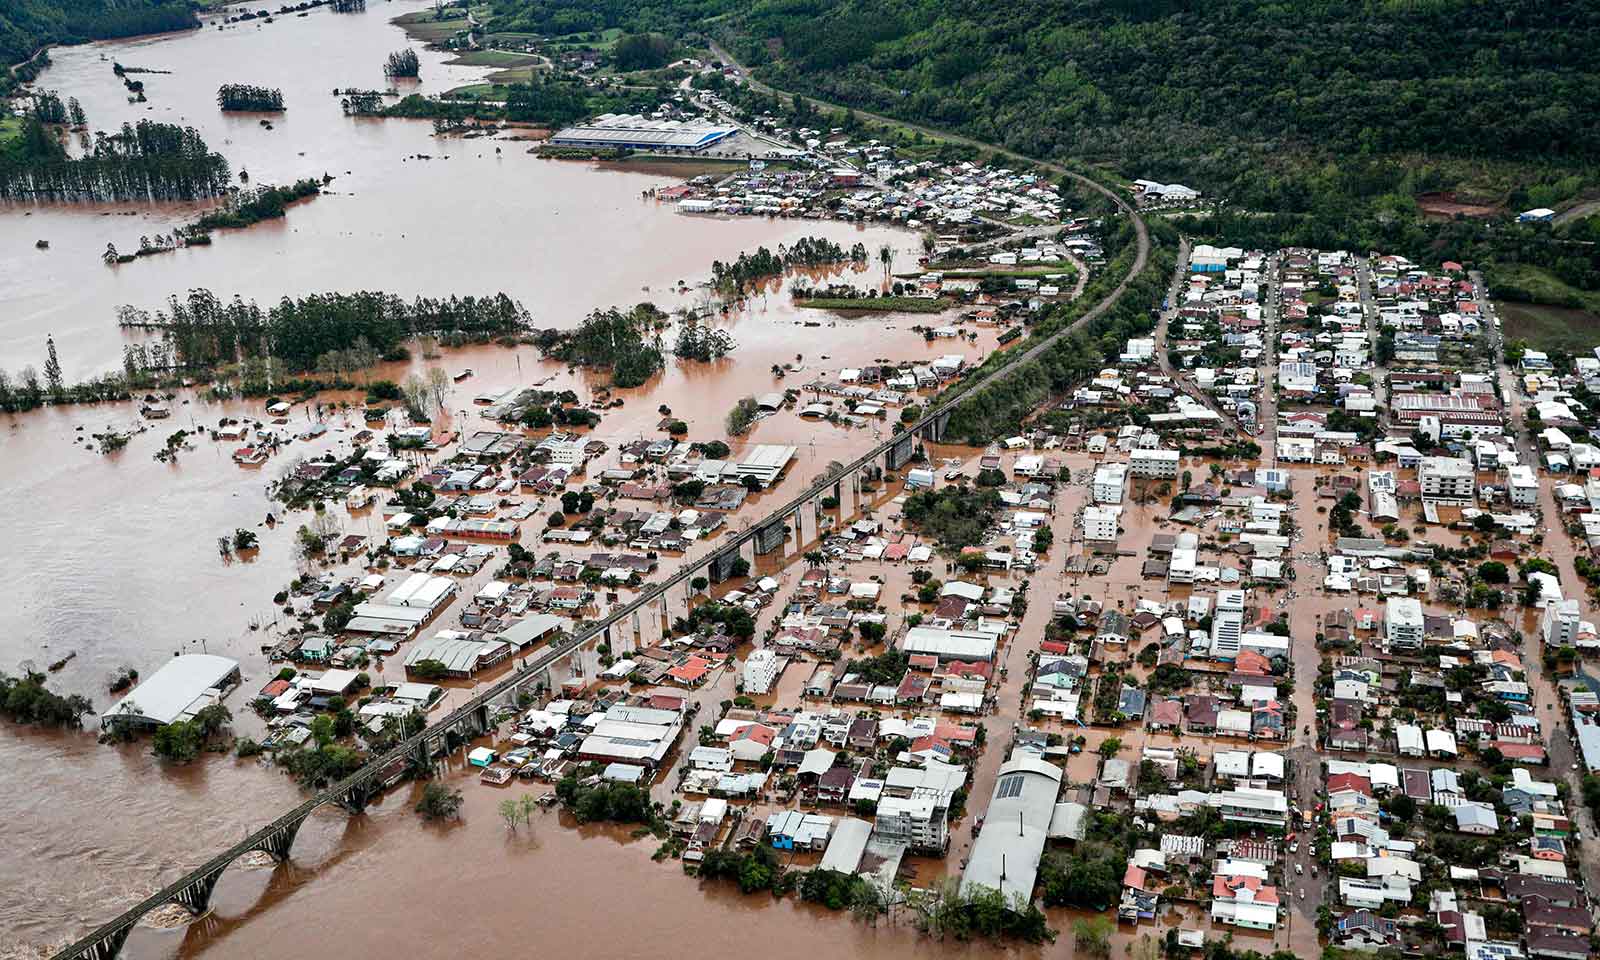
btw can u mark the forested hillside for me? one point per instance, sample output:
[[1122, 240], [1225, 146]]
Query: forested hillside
[[1273, 105], [26, 25], [1203, 90]]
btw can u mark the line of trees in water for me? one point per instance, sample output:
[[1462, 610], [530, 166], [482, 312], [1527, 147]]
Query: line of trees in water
[[253, 206], [360, 103], [144, 161], [203, 331], [244, 96], [750, 268], [30, 388]]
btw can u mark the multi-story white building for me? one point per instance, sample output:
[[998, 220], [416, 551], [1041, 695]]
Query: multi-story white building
[[1403, 624], [1100, 524], [1109, 480], [761, 670], [1158, 464], [919, 821], [1227, 631], [1559, 624], [1446, 478], [1523, 485]]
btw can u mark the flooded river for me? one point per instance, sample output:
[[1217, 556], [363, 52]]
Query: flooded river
[[113, 558]]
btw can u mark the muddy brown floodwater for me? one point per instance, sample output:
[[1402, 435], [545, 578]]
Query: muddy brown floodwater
[[113, 558]]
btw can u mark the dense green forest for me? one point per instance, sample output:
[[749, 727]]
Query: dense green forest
[[1334, 119], [673, 18], [27, 25], [1209, 94]]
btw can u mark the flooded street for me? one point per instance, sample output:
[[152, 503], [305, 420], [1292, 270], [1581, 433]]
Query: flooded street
[[114, 558], [113, 564]]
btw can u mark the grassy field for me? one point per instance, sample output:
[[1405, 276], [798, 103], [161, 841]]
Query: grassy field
[[876, 304], [608, 39], [478, 91], [1541, 286], [10, 126], [493, 58], [1551, 328], [1559, 316], [422, 26], [494, 87]]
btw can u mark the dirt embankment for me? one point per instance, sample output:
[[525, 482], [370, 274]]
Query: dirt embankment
[[1447, 205]]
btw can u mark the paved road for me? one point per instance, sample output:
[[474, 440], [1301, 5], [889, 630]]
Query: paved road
[[1270, 297], [1577, 212], [1162, 336], [1558, 544], [1369, 318]]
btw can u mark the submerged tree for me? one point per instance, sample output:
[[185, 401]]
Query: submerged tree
[[624, 343], [439, 802], [52, 369], [702, 343], [742, 416], [402, 63], [244, 96]]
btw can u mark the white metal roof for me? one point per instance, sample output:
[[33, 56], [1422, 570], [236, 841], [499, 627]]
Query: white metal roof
[[1005, 856], [175, 691], [958, 644]]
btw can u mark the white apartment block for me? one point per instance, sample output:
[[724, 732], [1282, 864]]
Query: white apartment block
[[1446, 478], [1559, 624], [1157, 464], [919, 821], [1403, 623], [1523, 485], [1109, 480], [1100, 524]]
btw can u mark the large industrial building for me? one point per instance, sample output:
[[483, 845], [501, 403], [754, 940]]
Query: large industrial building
[[1005, 856], [180, 689], [633, 132]]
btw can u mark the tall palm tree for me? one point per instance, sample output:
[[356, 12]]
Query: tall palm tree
[[886, 257]]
